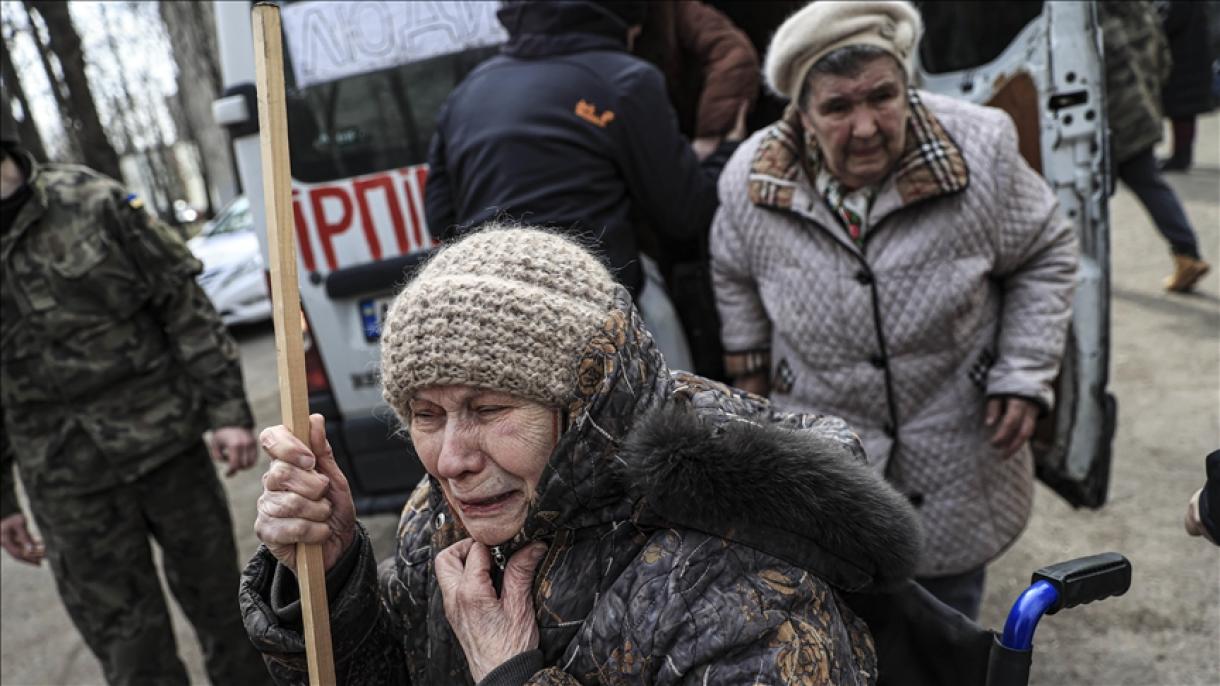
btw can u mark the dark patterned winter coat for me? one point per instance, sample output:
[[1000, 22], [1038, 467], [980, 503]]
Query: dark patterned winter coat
[[695, 536], [1137, 65]]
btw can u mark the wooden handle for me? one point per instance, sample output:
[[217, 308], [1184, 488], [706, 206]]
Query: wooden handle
[[286, 313]]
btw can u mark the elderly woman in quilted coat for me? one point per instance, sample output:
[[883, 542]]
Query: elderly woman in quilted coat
[[886, 255], [588, 516]]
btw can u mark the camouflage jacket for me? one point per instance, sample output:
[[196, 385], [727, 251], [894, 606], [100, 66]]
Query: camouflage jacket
[[1137, 65], [113, 358], [695, 536]]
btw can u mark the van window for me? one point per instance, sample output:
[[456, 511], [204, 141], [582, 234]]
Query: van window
[[965, 35], [374, 121]]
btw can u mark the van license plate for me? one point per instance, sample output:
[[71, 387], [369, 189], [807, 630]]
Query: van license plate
[[372, 316]]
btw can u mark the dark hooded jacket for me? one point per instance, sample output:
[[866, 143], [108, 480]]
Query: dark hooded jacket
[[695, 535], [1188, 91], [567, 129]]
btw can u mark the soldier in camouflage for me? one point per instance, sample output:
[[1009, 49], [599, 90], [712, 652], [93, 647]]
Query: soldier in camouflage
[[114, 363]]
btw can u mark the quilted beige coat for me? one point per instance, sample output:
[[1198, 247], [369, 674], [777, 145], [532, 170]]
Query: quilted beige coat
[[961, 291]]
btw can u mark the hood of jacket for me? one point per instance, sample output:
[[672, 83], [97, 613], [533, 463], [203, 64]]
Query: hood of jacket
[[538, 28]]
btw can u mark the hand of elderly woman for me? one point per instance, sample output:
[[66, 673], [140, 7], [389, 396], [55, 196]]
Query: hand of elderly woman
[[491, 629], [1013, 421], [305, 497]]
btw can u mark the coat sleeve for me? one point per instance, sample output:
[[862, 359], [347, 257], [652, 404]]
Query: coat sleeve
[[196, 335], [1036, 260], [438, 191], [364, 634], [745, 328], [8, 476], [728, 65], [700, 611], [1209, 499], [672, 192]]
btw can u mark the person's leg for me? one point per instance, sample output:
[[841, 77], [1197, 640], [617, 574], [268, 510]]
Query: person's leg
[[962, 592], [1183, 145], [98, 549], [188, 514], [1142, 176]]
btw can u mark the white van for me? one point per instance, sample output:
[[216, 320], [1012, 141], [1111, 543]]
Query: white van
[[365, 80]]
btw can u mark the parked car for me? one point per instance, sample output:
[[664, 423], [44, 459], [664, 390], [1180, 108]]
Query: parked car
[[233, 274]]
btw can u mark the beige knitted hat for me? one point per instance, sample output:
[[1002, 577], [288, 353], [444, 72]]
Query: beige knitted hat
[[506, 308], [826, 25]]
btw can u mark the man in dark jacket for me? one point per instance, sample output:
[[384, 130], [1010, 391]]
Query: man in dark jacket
[[1188, 91], [565, 128]]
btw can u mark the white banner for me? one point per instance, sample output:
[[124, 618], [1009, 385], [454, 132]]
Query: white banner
[[332, 40]]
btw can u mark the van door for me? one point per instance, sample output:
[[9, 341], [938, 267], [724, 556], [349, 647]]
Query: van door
[[1042, 63]]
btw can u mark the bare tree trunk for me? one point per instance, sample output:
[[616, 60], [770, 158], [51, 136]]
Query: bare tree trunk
[[31, 139], [8, 123], [163, 177], [192, 33], [71, 149], [96, 149]]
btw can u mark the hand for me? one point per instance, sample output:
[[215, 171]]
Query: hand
[[704, 146], [16, 539], [1194, 526], [300, 504], [1016, 418], [739, 130], [490, 629], [234, 445]]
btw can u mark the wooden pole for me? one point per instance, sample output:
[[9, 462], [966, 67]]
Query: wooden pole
[[286, 312]]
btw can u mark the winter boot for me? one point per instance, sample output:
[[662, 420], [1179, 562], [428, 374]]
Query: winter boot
[[1187, 271]]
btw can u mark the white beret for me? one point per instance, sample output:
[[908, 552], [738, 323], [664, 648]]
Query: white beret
[[826, 25]]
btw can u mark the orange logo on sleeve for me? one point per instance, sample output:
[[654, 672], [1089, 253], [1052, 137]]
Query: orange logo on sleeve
[[588, 112]]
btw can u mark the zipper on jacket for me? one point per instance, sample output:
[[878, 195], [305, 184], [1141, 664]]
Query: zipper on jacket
[[498, 556]]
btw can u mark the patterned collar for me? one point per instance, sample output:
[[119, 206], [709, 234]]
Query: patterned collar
[[931, 164], [852, 207]]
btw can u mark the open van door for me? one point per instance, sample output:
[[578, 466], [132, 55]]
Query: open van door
[[1042, 63]]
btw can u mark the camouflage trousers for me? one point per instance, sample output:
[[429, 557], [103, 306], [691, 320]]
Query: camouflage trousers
[[98, 549]]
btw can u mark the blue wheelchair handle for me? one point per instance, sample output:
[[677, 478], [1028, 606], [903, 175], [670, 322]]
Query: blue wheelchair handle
[[1025, 613]]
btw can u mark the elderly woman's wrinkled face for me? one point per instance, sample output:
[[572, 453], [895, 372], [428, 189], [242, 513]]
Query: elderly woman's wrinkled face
[[859, 121], [487, 449]]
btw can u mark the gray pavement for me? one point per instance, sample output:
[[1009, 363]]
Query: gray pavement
[[1165, 370]]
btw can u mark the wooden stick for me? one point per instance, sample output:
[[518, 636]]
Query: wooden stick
[[286, 313]]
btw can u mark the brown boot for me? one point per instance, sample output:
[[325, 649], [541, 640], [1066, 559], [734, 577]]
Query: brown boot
[[1187, 271]]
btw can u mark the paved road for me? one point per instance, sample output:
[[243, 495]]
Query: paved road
[[1166, 374]]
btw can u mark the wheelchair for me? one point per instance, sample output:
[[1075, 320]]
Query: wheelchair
[[922, 642]]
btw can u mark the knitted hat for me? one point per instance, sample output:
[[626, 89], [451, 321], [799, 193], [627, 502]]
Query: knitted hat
[[506, 308], [826, 25]]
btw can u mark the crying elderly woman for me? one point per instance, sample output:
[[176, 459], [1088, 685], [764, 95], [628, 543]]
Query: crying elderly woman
[[588, 516]]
